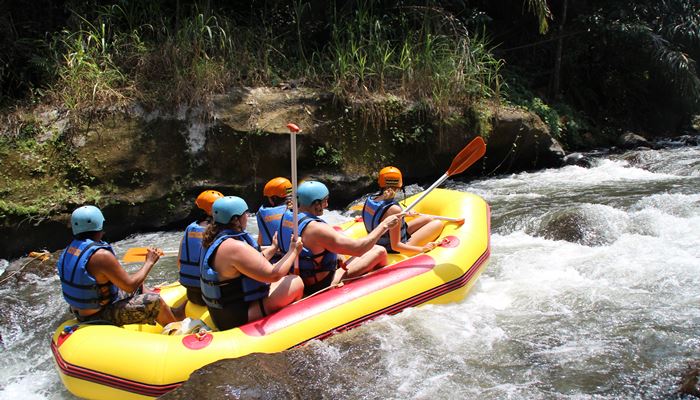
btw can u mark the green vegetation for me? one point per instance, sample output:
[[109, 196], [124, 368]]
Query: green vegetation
[[41, 178], [583, 66], [109, 55]]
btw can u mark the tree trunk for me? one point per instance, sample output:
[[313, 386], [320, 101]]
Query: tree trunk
[[556, 76]]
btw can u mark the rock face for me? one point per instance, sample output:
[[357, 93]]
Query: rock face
[[521, 141], [148, 166]]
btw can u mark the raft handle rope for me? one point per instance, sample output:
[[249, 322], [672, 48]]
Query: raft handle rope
[[34, 255]]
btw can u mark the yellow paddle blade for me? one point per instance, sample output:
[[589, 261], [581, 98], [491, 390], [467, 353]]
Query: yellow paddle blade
[[357, 207], [138, 254]]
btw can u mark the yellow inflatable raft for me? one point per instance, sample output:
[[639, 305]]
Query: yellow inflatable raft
[[137, 361]]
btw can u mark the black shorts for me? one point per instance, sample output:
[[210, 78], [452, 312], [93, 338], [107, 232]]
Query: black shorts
[[194, 295], [233, 315], [311, 289]]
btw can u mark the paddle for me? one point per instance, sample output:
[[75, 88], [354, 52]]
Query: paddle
[[138, 254], [448, 219], [293, 130], [468, 156], [359, 207]]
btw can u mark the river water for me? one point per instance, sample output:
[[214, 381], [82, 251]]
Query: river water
[[592, 292]]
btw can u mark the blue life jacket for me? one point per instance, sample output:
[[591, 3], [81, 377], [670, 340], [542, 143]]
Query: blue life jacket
[[80, 289], [190, 253], [308, 264], [217, 293], [268, 220], [372, 214]]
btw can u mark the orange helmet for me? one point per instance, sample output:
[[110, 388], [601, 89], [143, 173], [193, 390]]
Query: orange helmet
[[206, 199], [390, 177], [280, 187]]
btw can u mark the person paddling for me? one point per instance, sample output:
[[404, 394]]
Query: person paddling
[[409, 238], [238, 282], [191, 246], [96, 286], [319, 264]]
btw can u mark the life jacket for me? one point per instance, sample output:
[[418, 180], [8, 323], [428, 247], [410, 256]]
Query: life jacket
[[217, 293], [268, 220], [190, 253], [308, 264], [80, 288], [372, 214]]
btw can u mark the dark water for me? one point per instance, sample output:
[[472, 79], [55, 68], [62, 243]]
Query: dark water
[[593, 292]]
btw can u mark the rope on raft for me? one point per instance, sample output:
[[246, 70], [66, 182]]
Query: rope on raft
[[42, 256]]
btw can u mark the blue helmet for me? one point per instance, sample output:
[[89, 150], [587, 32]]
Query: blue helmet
[[86, 219], [228, 207], [310, 191]]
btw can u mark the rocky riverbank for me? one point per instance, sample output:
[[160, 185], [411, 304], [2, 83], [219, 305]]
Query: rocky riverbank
[[145, 167]]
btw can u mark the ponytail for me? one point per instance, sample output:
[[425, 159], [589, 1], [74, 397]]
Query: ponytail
[[210, 233]]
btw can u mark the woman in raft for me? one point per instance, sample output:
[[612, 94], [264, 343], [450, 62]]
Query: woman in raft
[[238, 282], [409, 238]]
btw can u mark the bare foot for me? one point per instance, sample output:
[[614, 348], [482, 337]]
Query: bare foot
[[338, 276]]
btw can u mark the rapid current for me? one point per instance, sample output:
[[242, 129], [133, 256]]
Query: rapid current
[[592, 292]]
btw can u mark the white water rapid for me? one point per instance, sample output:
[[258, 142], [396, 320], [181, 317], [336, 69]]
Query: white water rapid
[[592, 292]]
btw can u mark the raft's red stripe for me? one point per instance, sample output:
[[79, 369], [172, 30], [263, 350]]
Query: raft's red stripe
[[325, 301], [410, 302], [101, 378]]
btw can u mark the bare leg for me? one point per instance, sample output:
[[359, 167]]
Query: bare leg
[[423, 233], [179, 311], [372, 259], [285, 291], [165, 314]]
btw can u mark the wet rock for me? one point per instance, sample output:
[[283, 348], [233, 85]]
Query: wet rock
[[256, 376], [576, 226], [630, 140], [690, 140], [695, 122], [578, 159], [42, 264], [689, 380]]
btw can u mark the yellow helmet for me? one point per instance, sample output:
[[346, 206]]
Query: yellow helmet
[[206, 199], [280, 187], [390, 177]]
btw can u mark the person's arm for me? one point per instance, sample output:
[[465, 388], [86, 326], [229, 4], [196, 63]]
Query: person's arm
[[253, 264], [104, 264], [271, 250], [395, 236], [335, 242]]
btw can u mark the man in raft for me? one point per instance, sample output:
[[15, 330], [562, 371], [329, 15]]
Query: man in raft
[[96, 286], [319, 264], [238, 282], [409, 238], [191, 246]]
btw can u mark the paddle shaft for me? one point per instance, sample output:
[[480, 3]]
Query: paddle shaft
[[473, 151], [437, 183], [441, 218], [295, 207]]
